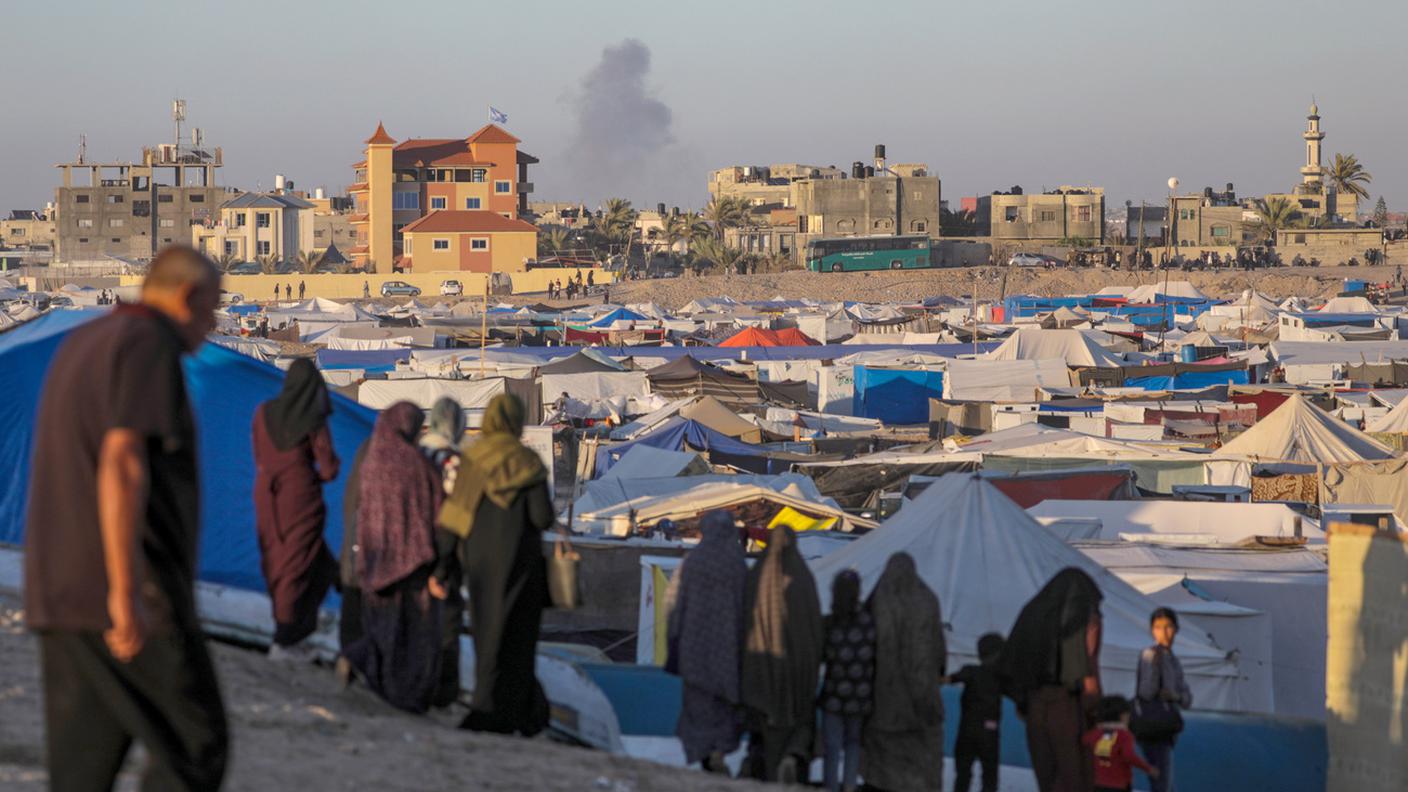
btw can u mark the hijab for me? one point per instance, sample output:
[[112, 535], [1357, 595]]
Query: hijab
[[910, 650], [446, 426], [399, 495], [300, 409], [1047, 643], [496, 467], [706, 620], [783, 642]]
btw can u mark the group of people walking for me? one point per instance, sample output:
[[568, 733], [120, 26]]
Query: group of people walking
[[430, 529], [860, 687]]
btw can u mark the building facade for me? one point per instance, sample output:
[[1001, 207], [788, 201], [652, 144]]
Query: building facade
[[126, 210], [866, 206], [1214, 219], [766, 184], [1314, 197], [399, 183], [256, 225], [469, 241], [27, 229], [1063, 213]]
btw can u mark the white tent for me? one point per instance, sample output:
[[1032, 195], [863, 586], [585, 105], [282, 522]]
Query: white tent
[[1181, 289], [1182, 521], [1347, 305], [1003, 380], [471, 394], [985, 558], [1395, 421], [1298, 431], [1072, 346], [643, 461]]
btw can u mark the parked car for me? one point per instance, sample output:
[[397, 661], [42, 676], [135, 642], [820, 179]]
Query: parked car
[[399, 289], [451, 288], [1028, 260], [230, 298]]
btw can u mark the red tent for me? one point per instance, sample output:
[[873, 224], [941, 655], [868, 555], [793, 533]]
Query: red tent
[[753, 337]]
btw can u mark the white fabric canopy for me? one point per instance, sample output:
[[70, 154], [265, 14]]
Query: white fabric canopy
[[1298, 431], [471, 394], [1072, 346], [1147, 292], [1395, 421], [1003, 380], [985, 558], [1221, 523]]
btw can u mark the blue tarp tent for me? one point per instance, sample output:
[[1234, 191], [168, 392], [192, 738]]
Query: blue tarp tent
[[1189, 380], [224, 388], [678, 433], [373, 360], [895, 396], [619, 315]]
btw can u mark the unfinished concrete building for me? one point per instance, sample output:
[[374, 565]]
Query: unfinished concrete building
[[1062, 213], [129, 210], [878, 200]]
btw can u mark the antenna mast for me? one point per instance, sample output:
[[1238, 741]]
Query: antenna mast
[[178, 114], [82, 148]]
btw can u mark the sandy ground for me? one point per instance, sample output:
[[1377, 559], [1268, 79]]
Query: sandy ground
[[911, 285], [292, 729]]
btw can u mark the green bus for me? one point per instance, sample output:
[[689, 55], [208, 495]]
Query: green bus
[[853, 254]]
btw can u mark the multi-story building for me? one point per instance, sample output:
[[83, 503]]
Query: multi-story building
[[1212, 219], [876, 200], [766, 184], [256, 225], [1314, 197], [468, 241], [775, 233], [400, 183], [128, 210], [1063, 213], [29, 229]]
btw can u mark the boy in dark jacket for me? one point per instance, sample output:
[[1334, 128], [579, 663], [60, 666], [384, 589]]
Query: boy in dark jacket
[[1113, 747], [981, 706]]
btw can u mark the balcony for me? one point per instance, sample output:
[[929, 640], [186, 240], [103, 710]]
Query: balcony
[[358, 187]]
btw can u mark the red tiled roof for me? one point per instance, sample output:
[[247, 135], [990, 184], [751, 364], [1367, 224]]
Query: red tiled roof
[[490, 133], [357, 218], [358, 187], [468, 221], [434, 151], [361, 164], [380, 137]]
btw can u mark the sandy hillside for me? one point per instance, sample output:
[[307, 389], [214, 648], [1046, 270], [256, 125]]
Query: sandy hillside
[[294, 731]]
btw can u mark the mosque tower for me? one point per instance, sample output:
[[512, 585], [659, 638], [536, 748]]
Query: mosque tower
[[1312, 174]]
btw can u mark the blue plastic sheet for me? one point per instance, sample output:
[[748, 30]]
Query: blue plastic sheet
[[677, 433], [895, 396], [374, 360], [225, 387], [1189, 380]]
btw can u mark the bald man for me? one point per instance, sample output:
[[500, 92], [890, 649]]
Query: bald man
[[110, 543]]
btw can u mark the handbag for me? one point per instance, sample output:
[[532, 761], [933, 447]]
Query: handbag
[[564, 582], [1154, 720]]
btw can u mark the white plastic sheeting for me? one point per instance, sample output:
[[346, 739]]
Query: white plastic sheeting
[[1298, 431], [1395, 421], [1220, 523], [601, 394], [1072, 346], [985, 558], [1003, 380], [471, 394], [1148, 292]]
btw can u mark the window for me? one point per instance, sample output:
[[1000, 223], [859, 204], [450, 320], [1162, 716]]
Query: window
[[239, 219], [1300, 239], [85, 222], [479, 244], [83, 240], [196, 198], [116, 222], [405, 200], [1221, 232], [471, 203], [461, 174], [80, 199], [263, 247], [1048, 216], [231, 247], [437, 202], [261, 220], [318, 233], [478, 175], [503, 187], [116, 239], [1082, 214], [16, 232], [919, 226], [167, 222], [141, 208], [408, 246], [440, 244], [1012, 214], [163, 199], [116, 199]]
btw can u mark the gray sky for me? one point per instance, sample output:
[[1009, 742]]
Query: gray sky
[[641, 99]]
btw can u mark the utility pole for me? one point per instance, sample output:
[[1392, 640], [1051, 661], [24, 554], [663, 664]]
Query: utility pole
[[484, 324], [975, 312]]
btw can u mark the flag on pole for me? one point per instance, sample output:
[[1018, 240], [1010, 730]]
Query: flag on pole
[[497, 116]]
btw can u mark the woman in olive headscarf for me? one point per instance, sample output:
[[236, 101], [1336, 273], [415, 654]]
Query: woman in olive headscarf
[[497, 514], [293, 456], [1051, 668], [782, 657], [902, 743]]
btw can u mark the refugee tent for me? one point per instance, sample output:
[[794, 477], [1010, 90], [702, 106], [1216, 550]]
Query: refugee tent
[[712, 413], [1074, 347], [620, 315], [583, 361], [679, 434], [1189, 522], [1382, 482], [1063, 317], [644, 461], [379, 394], [1185, 376], [895, 395], [599, 394], [1150, 292], [1344, 305], [619, 519], [1394, 421], [1298, 431], [610, 491], [756, 337], [688, 377], [224, 387], [1002, 380], [371, 361], [985, 558]]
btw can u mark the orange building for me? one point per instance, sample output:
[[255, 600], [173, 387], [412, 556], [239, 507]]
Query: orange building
[[469, 241], [400, 183]]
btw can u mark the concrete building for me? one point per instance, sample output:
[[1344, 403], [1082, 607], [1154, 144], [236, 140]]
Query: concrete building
[[129, 210], [766, 184], [1214, 219], [1314, 196], [469, 241], [1062, 213], [400, 183], [254, 225], [29, 229], [775, 234], [874, 201]]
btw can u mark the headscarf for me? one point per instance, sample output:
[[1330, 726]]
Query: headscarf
[[399, 496], [300, 409], [1047, 645], [497, 466], [446, 426], [910, 650], [783, 644], [706, 620]]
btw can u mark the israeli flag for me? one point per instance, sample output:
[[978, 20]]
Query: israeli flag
[[497, 116]]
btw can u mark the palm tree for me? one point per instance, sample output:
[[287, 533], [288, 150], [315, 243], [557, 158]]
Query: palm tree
[[227, 262], [1348, 176], [553, 240], [308, 261], [268, 265], [712, 251], [674, 230], [1276, 213], [726, 212]]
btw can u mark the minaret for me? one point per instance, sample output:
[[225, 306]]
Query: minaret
[[1312, 174]]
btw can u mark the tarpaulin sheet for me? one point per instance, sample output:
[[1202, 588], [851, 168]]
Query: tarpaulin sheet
[[1028, 491], [1379, 483], [1189, 380], [471, 394], [378, 360], [679, 434], [225, 387], [895, 396]]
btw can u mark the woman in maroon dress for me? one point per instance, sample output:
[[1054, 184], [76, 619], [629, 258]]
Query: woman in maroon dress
[[293, 456]]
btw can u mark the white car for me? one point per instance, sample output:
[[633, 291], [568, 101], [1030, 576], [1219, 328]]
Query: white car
[[230, 298], [451, 288], [1027, 260]]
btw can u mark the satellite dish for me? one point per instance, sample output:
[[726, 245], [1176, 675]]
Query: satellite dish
[[1172, 184]]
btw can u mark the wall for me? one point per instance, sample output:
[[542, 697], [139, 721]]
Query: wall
[[260, 288], [1064, 210], [506, 253]]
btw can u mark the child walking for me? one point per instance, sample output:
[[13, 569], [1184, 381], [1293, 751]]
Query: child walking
[[1112, 745], [978, 725], [847, 693]]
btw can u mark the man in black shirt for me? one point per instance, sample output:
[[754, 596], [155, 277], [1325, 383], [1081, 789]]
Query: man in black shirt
[[981, 718], [111, 541]]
